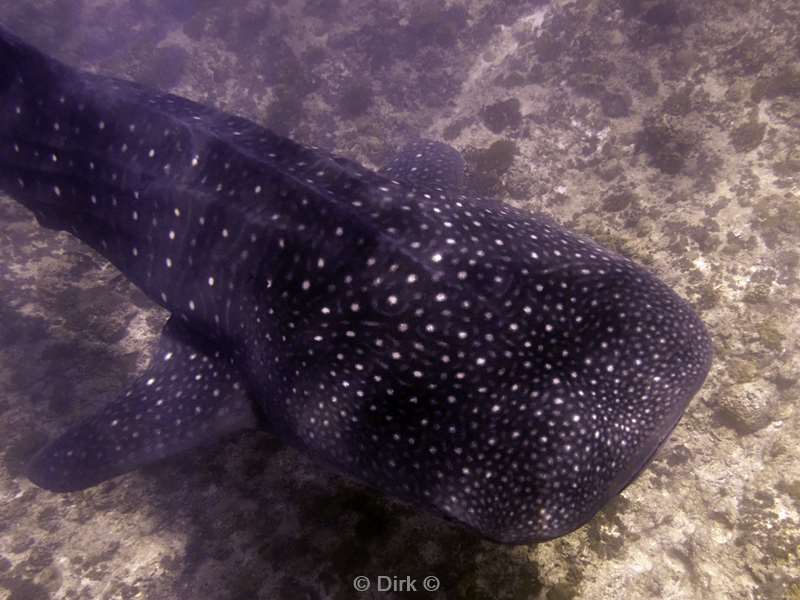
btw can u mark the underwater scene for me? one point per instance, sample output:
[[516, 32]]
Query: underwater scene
[[332, 299]]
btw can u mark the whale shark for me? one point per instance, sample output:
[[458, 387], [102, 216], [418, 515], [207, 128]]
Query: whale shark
[[475, 360]]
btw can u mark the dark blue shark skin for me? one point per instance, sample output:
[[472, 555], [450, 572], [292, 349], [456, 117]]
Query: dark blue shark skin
[[475, 360]]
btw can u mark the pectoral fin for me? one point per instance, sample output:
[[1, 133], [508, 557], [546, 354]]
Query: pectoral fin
[[189, 396]]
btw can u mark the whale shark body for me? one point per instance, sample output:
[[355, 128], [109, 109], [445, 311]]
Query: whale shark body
[[475, 360]]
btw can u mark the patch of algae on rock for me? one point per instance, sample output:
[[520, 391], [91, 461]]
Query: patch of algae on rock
[[748, 407], [667, 143], [747, 137], [486, 166]]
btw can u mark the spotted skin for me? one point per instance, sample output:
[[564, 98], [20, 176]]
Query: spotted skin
[[426, 163], [190, 394], [473, 359]]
